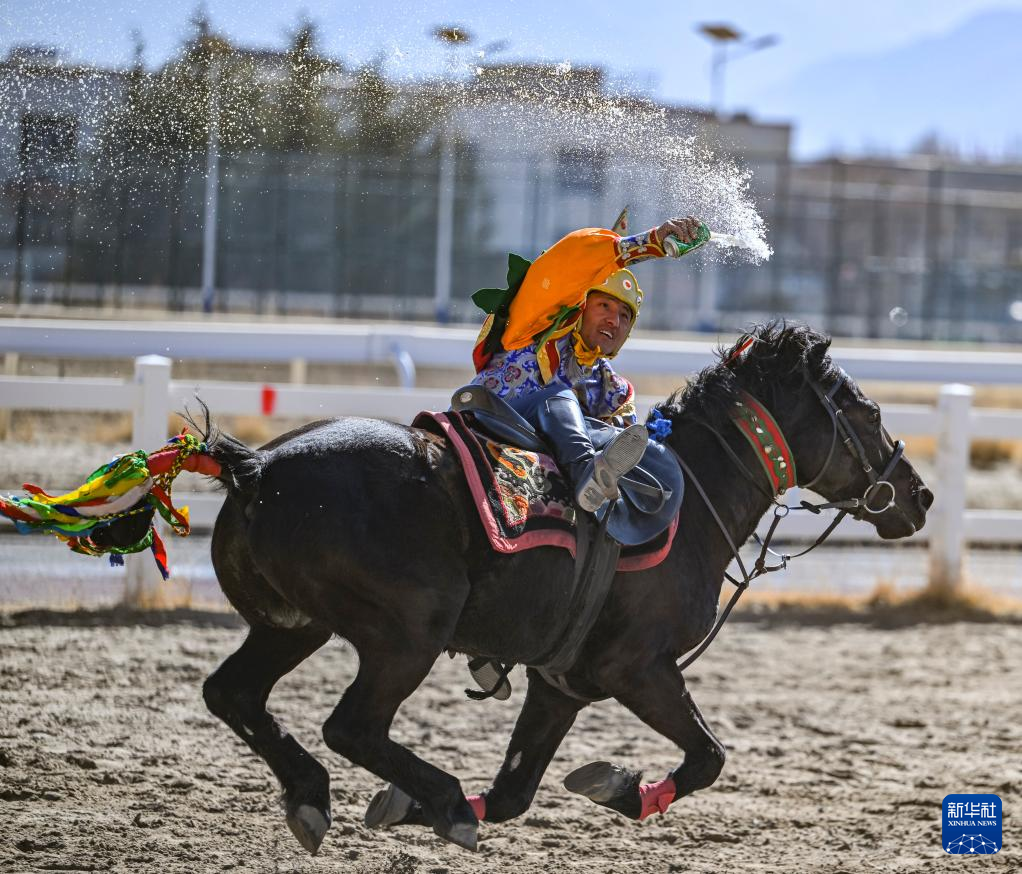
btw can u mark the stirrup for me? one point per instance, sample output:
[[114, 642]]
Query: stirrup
[[491, 677], [598, 483]]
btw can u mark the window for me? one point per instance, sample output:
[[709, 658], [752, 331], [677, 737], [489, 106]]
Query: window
[[581, 170], [49, 143]]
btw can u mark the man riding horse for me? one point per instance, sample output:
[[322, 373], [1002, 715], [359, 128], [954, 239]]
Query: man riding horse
[[572, 313], [545, 349]]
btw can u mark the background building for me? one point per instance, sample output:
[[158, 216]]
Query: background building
[[344, 195]]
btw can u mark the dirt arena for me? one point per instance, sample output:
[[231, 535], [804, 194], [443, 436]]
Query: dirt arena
[[842, 739]]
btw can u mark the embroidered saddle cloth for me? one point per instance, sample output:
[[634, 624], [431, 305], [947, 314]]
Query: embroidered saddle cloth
[[523, 501]]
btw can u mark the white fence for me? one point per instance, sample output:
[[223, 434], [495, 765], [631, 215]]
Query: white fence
[[429, 346], [152, 396]]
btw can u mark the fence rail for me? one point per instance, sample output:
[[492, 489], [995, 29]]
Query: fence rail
[[152, 396], [409, 346]]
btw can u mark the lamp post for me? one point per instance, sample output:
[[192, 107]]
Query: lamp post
[[722, 36], [453, 36], [212, 192]]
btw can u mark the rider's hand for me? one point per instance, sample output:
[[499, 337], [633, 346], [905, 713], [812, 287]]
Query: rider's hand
[[685, 229]]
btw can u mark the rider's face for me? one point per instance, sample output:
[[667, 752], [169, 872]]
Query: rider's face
[[605, 322]]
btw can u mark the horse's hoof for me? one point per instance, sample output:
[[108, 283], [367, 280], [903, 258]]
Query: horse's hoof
[[388, 807], [599, 781], [309, 825], [464, 834], [608, 785]]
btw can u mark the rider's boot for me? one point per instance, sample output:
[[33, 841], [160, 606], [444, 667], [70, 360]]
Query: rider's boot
[[593, 474]]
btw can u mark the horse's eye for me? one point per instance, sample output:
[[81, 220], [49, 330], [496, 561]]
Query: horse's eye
[[874, 417]]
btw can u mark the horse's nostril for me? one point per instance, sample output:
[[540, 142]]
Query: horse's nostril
[[925, 498]]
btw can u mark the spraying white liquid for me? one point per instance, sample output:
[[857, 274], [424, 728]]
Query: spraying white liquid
[[756, 246]]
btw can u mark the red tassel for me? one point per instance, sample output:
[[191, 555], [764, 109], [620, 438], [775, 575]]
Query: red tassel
[[164, 499], [160, 554]]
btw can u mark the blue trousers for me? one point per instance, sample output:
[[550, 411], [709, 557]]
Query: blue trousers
[[554, 411]]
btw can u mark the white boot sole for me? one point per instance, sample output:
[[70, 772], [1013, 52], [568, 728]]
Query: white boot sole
[[620, 456]]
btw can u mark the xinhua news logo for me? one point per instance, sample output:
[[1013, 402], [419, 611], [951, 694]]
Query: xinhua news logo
[[971, 824]]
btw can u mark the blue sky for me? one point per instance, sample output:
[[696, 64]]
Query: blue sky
[[655, 43]]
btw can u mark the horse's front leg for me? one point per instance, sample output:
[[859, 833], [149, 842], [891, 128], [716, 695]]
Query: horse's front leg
[[545, 719], [658, 696]]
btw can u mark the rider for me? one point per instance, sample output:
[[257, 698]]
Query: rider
[[546, 347], [571, 314]]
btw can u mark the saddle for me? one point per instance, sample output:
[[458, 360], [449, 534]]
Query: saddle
[[511, 473], [651, 493]]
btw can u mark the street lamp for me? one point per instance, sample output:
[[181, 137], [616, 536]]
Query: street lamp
[[212, 192], [452, 35], [721, 36]]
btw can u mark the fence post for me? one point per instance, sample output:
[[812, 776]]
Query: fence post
[[149, 432], [10, 369], [947, 516], [404, 364]]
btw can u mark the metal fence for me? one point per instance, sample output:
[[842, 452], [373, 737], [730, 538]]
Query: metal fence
[[900, 249]]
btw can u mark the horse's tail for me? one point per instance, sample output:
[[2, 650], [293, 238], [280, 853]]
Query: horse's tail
[[241, 466]]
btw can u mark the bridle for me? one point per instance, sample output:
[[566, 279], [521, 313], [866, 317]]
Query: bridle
[[857, 508]]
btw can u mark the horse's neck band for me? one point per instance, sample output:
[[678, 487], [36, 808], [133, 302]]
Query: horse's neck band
[[767, 440]]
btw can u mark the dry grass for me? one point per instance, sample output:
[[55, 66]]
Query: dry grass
[[885, 606], [114, 429], [170, 594], [989, 454]]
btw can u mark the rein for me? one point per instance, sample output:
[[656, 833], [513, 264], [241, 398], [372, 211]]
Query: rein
[[777, 461]]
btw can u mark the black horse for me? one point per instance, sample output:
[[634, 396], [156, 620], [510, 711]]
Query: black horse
[[366, 529]]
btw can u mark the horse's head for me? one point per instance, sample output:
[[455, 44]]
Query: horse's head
[[841, 448]]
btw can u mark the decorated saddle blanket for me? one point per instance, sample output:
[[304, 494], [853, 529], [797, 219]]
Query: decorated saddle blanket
[[522, 499]]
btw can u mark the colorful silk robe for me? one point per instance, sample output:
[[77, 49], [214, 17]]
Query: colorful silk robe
[[601, 392], [539, 343]]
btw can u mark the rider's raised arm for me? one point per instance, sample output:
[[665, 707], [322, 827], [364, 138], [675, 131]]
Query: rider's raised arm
[[564, 273]]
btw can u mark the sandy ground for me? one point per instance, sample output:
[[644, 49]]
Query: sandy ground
[[843, 741]]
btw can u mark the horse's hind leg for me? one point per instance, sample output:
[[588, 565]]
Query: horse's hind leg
[[237, 692], [359, 729], [658, 696]]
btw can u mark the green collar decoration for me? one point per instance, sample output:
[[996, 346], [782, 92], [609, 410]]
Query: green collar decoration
[[765, 437]]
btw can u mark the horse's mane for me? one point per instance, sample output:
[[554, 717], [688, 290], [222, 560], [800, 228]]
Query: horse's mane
[[776, 352]]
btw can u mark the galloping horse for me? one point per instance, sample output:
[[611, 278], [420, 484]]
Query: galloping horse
[[366, 529]]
